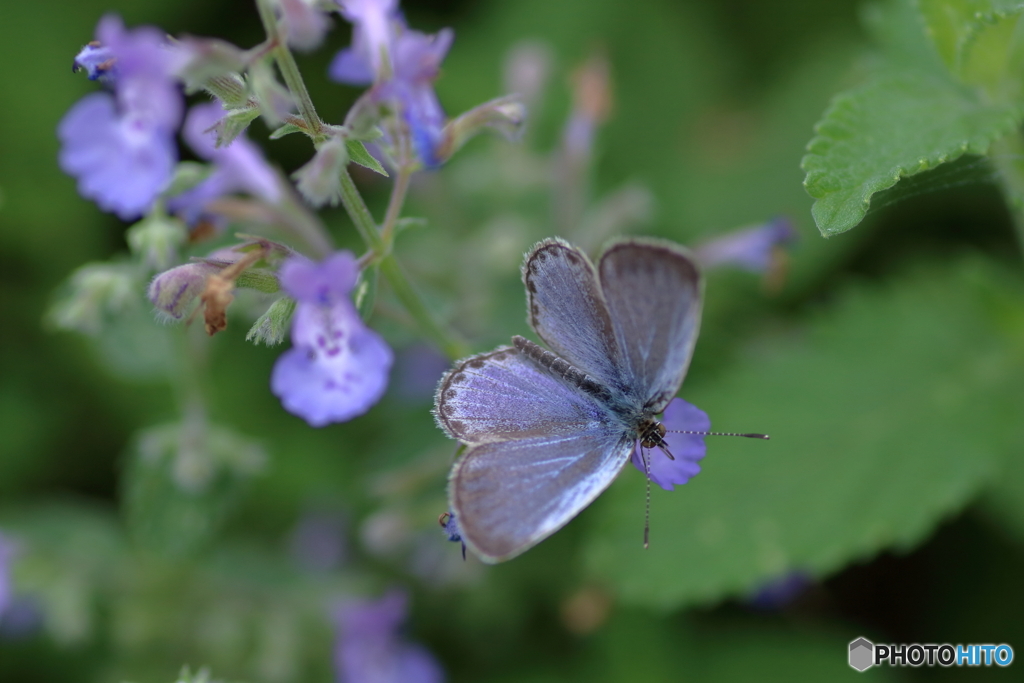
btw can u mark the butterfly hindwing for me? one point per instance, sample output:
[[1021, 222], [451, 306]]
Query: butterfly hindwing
[[510, 495]]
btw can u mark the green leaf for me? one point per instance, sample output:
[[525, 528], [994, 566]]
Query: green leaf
[[898, 124], [234, 123], [366, 291], [886, 415], [272, 327], [357, 154], [286, 129], [259, 279], [973, 37]]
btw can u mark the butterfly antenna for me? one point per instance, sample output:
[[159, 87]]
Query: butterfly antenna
[[748, 436], [647, 509]]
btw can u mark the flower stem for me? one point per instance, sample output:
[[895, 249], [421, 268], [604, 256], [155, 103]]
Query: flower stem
[[389, 265], [415, 306], [360, 215], [395, 204], [289, 69]]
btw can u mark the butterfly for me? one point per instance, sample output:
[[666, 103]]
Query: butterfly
[[547, 430]]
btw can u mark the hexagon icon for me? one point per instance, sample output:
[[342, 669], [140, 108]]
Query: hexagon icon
[[862, 653]]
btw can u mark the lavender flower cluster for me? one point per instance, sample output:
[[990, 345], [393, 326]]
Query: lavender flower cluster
[[120, 145]]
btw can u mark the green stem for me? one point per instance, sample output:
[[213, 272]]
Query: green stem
[[360, 215], [395, 204], [451, 347], [289, 69], [392, 271]]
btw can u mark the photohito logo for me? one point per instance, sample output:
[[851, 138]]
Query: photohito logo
[[864, 654]]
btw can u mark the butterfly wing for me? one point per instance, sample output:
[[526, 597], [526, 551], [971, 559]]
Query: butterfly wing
[[653, 292], [510, 495], [568, 311], [503, 394]]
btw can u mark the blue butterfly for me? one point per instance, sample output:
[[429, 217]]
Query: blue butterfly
[[548, 430]]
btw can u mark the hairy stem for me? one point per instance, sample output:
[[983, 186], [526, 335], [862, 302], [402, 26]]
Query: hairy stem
[[395, 204], [289, 69]]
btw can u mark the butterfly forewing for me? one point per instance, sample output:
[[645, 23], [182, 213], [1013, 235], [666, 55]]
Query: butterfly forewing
[[510, 495], [502, 395], [653, 293], [566, 308]]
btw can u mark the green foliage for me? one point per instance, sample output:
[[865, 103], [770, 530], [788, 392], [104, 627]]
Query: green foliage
[[887, 415], [234, 124], [181, 482], [897, 125], [272, 327], [946, 84], [357, 154]]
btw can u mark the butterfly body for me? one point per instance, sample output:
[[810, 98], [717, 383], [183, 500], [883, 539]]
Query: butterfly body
[[548, 430]]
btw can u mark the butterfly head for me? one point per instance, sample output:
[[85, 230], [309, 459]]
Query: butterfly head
[[651, 433]]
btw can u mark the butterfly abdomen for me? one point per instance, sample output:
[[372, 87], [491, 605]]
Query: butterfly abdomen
[[561, 368]]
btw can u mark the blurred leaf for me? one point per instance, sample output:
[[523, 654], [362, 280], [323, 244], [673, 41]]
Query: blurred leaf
[[975, 38], [286, 129], [886, 415], [249, 612], [357, 154], [181, 482], [643, 647], [272, 327]]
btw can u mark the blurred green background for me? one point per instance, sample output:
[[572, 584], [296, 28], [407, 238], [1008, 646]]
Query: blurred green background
[[888, 369]]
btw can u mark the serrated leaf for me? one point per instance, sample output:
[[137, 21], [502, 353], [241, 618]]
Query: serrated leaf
[[886, 416], [357, 154], [900, 123], [234, 123], [272, 327], [954, 25]]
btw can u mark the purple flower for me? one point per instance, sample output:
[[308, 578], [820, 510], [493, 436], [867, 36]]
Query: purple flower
[[304, 22], [121, 147], [237, 167], [7, 551], [752, 249], [96, 60], [781, 591], [687, 449], [369, 650], [337, 367], [417, 63], [369, 55], [406, 81]]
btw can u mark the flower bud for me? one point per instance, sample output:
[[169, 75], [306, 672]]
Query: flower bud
[[319, 181], [527, 67], [156, 239], [275, 100], [506, 115], [96, 290], [173, 291]]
